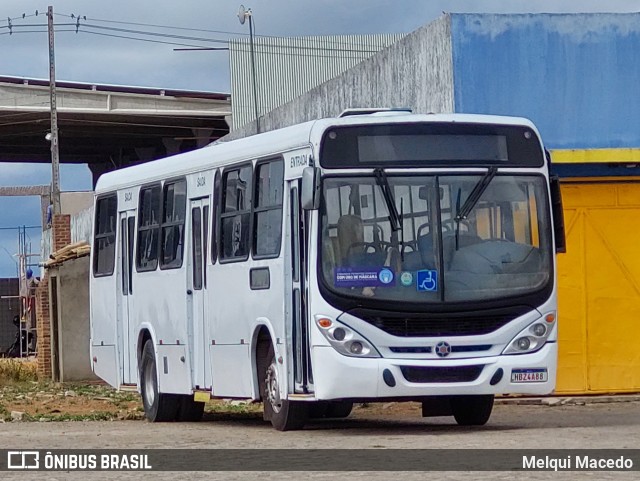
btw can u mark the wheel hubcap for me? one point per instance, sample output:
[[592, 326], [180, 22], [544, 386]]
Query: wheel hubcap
[[272, 388]]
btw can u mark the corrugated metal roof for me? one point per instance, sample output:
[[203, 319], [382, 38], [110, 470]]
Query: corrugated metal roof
[[288, 67]]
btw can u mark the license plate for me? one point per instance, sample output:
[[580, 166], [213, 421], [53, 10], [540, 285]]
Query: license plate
[[529, 375]]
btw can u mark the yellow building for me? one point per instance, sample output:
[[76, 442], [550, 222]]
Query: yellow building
[[599, 276]]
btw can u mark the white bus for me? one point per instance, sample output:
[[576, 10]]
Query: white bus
[[373, 257]]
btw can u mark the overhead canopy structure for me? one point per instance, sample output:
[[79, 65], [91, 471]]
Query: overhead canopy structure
[[106, 126]]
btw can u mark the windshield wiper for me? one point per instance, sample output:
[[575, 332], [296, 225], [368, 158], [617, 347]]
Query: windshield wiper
[[475, 194], [381, 179], [472, 200]]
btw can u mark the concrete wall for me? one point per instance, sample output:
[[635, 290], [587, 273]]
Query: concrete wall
[[78, 205], [576, 76], [70, 341], [81, 225], [416, 72], [74, 202]]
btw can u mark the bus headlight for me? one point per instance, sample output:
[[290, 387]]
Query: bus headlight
[[532, 337], [344, 339]]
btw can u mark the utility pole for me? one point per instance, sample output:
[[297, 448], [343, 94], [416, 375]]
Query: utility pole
[[243, 14], [55, 159]]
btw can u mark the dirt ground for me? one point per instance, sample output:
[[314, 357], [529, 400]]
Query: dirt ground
[[41, 401]]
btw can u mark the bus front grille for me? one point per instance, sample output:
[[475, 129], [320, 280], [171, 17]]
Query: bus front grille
[[440, 324], [430, 374]]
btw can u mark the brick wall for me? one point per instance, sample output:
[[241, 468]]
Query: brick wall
[[61, 226], [43, 328], [61, 236]]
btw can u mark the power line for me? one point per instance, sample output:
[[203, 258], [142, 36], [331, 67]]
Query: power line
[[154, 34], [139, 39], [173, 27], [82, 27], [225, 41], [139, 24]]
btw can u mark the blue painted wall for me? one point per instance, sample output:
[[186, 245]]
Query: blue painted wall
[[576, 76]]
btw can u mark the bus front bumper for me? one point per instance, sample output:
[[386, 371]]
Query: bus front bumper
[[341, 377]]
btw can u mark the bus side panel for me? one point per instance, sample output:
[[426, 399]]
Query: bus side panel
[[231, 375], [104, 335], [174, 375], [231, 308], [161, 301], [105, 364], [234, 313]]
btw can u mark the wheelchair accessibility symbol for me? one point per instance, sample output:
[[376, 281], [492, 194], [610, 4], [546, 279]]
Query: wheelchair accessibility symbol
[[427, 281]]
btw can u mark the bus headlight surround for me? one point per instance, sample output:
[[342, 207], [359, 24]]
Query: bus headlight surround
[[339, 334], [356, 347], [344, 339], [523, 343], [532, 337], [538, 329]]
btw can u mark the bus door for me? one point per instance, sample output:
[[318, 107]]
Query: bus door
[[126, 338], [196, 290], [297, 321]]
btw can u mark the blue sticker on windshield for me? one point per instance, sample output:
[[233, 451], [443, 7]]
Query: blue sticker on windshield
[[347, 277], [427, 281]]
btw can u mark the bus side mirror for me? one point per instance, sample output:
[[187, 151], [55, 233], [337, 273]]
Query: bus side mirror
[[558, 215], [310, 194]]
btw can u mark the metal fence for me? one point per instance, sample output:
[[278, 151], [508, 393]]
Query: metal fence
[[9, 307]]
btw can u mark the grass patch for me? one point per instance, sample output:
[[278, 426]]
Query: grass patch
[[218, 406], [17, 371], [47, 401], [96, 416]]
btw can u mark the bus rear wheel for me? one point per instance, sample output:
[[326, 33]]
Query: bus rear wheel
[[472, 410], [284, 415], [158, 407], [189, 410]]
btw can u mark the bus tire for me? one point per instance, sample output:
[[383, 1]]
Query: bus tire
[[189, 411], [472, 410], [330, 409], [339, 409], [284, 415], [158, 407], [318, 409]]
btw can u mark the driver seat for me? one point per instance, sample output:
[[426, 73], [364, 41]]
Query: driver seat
[[352, 250], [350, 233]]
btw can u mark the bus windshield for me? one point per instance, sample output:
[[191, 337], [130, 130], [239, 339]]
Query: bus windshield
[[449, 247]]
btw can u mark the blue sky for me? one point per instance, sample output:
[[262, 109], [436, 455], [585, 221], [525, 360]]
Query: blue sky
[[97, 58]]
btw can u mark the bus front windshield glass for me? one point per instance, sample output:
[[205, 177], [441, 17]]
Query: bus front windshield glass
[[455, 238]]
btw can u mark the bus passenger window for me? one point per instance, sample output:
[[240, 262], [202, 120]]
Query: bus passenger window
[[268, 209], [174, 202], [236, 214], [105, 236], [148, 228]]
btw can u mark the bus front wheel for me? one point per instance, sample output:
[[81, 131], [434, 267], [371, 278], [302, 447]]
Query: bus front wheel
[[158, 407], [284, 415], [472, 410]]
